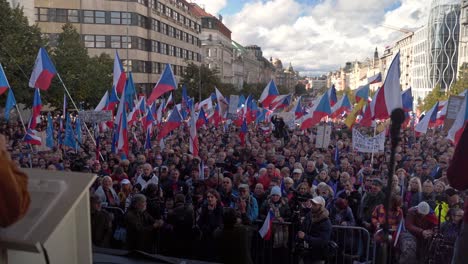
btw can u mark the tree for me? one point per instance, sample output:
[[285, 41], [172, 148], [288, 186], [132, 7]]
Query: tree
[[349, 93], [461, 84], [300, 89], [86, 78], [199, 76], [435, 95], [19, 44]]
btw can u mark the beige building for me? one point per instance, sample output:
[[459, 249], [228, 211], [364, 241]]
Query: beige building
[[146, 33], [284, 77], [215, 43], [28, 8], [405, 46]]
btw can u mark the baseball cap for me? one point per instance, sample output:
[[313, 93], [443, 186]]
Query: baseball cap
[[423, 208], [297, 171], [243, 186], [124, 181], [318, 200]]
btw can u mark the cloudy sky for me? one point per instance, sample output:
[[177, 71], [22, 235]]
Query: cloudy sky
[[318, 36]]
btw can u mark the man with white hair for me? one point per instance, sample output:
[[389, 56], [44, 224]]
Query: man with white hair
[[147, 177], [106, 193]]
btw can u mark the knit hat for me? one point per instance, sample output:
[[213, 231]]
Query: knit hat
[[423, 208], [275, 191]]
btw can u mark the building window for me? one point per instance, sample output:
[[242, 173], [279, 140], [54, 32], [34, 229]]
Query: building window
[[171, 50], [73, 16], [156, 67], [126, 18], [160, 7], [126, 42], [88, 16], [163, 47], [127, 65], [164, 28], [155, 46], [177, 34], [115, 18], [184, 54], [174, 67], [100, 17], [43, 14], [175, 15], [116, 42], [168, 11], [89, 41], [184, 36], [141, 43], [61, 15], [100, 41], [177, 54], [171, 31], [155, 25]]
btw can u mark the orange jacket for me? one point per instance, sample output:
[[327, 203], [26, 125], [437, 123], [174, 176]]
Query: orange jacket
[[14, 195]]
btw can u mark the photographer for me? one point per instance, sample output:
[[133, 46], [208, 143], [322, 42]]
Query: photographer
[[281, 131], [315, 232]]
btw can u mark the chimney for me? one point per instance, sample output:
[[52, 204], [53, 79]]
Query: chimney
[[220, 17]]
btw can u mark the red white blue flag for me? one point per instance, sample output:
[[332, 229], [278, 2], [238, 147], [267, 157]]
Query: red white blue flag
[[43, 72], [166, 83], [119, 75]]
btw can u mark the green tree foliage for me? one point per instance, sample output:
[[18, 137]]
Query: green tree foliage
[[435, 95], [461, 84], [86, 78], [300, 89], [19, 44], [200, 76], [349, 93]]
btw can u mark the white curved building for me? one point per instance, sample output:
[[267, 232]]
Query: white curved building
[[443, 33]]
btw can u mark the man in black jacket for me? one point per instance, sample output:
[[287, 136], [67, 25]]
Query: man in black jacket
[[315, 232]]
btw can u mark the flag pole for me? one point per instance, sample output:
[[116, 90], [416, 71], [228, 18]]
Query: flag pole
[[25, 130], [374, 124], [74, 104]]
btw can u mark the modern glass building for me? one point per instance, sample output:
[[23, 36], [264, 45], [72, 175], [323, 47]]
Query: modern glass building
[[443, 33]]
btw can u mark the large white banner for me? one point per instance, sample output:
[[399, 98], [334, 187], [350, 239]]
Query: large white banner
[[362, 143], [233, 104]]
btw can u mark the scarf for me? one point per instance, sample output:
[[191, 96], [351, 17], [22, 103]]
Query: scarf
[[320, 215]]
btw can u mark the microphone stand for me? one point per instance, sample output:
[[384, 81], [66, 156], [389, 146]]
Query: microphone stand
[[397, 117]]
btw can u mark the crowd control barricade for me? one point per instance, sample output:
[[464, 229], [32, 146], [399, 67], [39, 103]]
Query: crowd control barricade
[[379, 252], [279, 248], [353, 244]]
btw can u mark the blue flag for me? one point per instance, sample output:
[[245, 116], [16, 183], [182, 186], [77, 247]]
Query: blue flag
[[130, 91], [10, 103], [69, 136], [78, 130], [50, 132]]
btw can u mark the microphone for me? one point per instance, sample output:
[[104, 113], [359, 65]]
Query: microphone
[[398, 117]]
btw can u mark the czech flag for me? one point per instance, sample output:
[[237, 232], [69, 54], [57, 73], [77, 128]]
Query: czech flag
[[119, 75], [298, 109], [36, 110], [281, 102], [121, 125], [362, 92], [332, 95], [4, 85], [320, 110], [32, 138], [103, 103], [388, 97], [343, 105], [166, 83], [113, 100], [201, 118], [43, 72], [407, 100], [428, 120], [269, 94], [441, 113], [265, 231], [193, 146], [173, 121], [366, 120], [456, 130], [375, 79]]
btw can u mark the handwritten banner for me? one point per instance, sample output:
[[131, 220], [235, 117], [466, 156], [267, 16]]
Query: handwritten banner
[[362, 143]]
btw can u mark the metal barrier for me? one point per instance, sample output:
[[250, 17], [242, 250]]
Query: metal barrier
[[390, 251], [354, 244], [279, 248]]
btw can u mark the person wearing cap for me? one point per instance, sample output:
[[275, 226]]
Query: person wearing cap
[[101, 223], [280, 208], [370, 200], [315, 232], [297, 177], [419, 225], [125, 190], [246, 205]]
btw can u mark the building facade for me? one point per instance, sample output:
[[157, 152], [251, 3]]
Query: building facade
[[146, 33], [28, 8], [216, 43], [419, 71], [405, 46], [443, 32], [463, 37]]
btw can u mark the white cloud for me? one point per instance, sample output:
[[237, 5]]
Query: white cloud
[[212, 6], [321, 37]]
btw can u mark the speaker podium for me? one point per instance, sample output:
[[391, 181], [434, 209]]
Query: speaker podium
[[57, 224]]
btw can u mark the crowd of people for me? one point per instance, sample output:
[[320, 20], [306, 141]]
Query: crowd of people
[[211, 206]]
